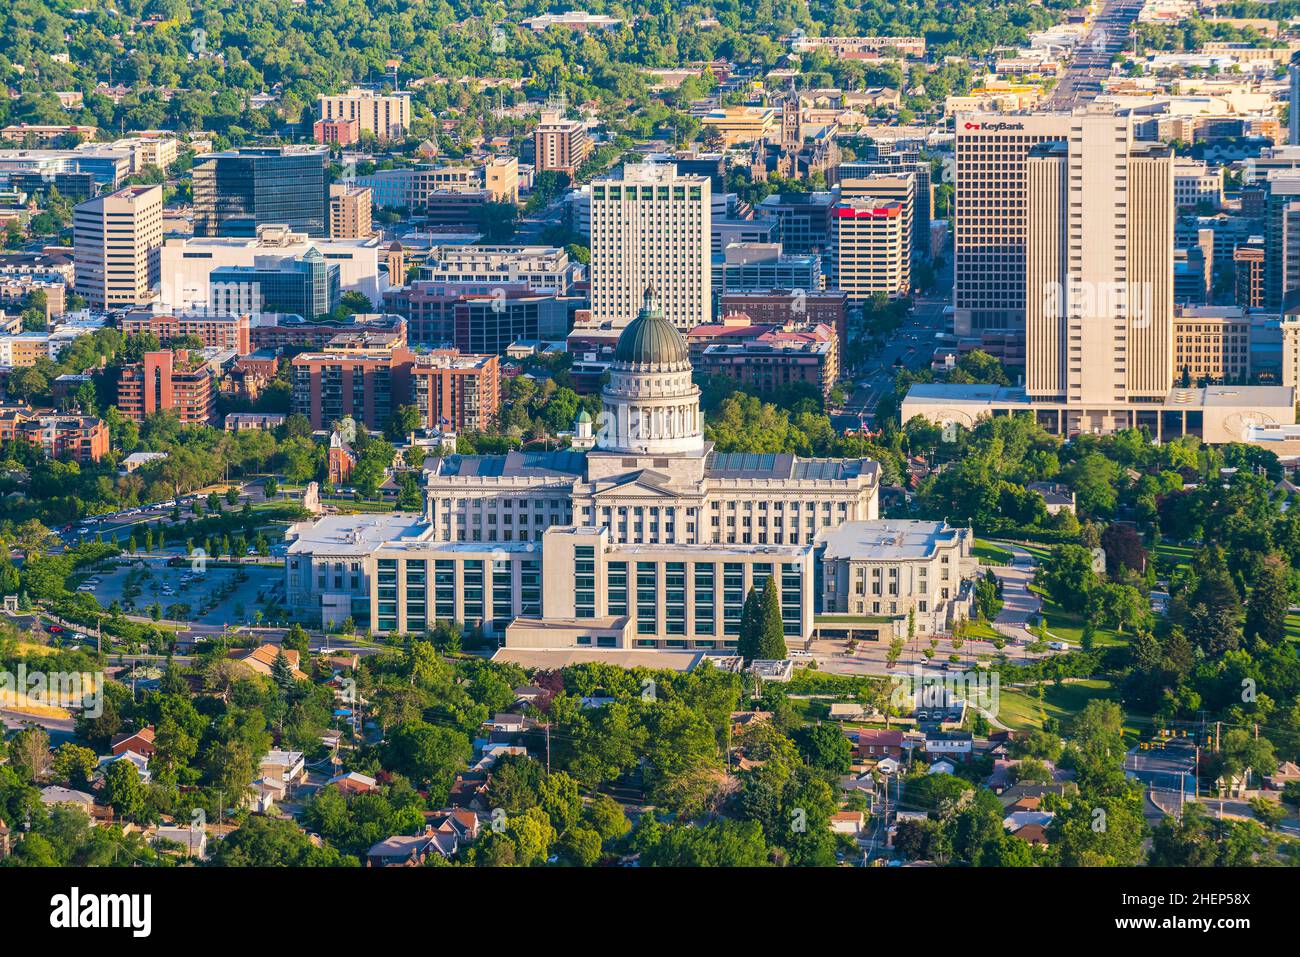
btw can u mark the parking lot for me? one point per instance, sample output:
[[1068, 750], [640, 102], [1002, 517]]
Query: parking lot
[[213, 597]]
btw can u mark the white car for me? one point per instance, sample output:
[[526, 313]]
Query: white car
[[1058, 646]]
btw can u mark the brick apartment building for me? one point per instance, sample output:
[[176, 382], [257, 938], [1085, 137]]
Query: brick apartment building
[[781, 307], [220, 332], [168, 380], [77, 437], [452, 391], [769, 358], [455, 391]]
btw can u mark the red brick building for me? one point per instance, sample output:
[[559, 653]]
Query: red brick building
[[220, 332], [456, 392], [168, 380], [780, 307], [77, 437], [452, 391], [336, 132]]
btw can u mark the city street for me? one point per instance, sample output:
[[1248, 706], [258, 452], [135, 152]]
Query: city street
[[1090, 65], [912, 345]]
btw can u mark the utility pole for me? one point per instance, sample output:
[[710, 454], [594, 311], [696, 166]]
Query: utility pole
[[548, 748]]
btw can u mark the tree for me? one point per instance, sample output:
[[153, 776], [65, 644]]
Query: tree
[[1068, 577], [123, 790], [404, 420], [29, 754], [275, 842], [1268, 604], [771, 645], [73, 765], [581, 846], [749, 643], [1123, 547], [430, 756], [825, 747]]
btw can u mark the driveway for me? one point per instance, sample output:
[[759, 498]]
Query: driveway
[[1019, 604]]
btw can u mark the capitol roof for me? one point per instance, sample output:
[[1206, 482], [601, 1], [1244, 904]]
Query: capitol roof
[[651, 340]]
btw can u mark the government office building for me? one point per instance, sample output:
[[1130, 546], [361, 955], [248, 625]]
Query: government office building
[[656, 537]]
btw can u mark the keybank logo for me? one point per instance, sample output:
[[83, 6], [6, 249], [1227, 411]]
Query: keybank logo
[[995, 127], [77, 911]]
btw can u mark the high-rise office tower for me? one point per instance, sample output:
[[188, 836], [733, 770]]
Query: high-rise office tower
[[1293, 118], [872, 248], [237, 191], [991, 155], [897, 185], [651, 228], [116, 241], [1099, 248], [896, 162], [1281, 238]]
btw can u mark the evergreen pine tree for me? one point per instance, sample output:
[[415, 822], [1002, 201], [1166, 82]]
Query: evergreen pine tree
[[751, 628], [1268, 604], [282, 672], [772, 635]]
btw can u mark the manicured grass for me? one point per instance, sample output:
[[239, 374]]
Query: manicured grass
[[990, 554], [1018, 708], [1067, 626], [1171, 557], [979, 630]]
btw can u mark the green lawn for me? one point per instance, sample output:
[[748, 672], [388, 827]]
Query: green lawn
[[1293, 627], [1019, 708], [1170, 557], [990, 554], [1068, 627], [979, 630]]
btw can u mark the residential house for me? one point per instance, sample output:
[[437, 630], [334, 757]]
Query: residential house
[[402, 851], [1286, 773], [470, 791], [1058, 498], [874, 744], [1035, 834], [942, 766], [262, 659], [54, 795], [354, 782], [951, 744], [283, 766], [193, 840], [507, 722], [141, 742], [461, 822], [528, 694], [1018, 819], [848, 822]]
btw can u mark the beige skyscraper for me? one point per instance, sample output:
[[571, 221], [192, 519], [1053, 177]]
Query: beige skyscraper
[[116, 240], [349, 211], [991, 153], [384, 117], [1099, 237], [652, 228]]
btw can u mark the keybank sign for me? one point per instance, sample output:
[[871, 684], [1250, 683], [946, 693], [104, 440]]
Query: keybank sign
[[995, 127]]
